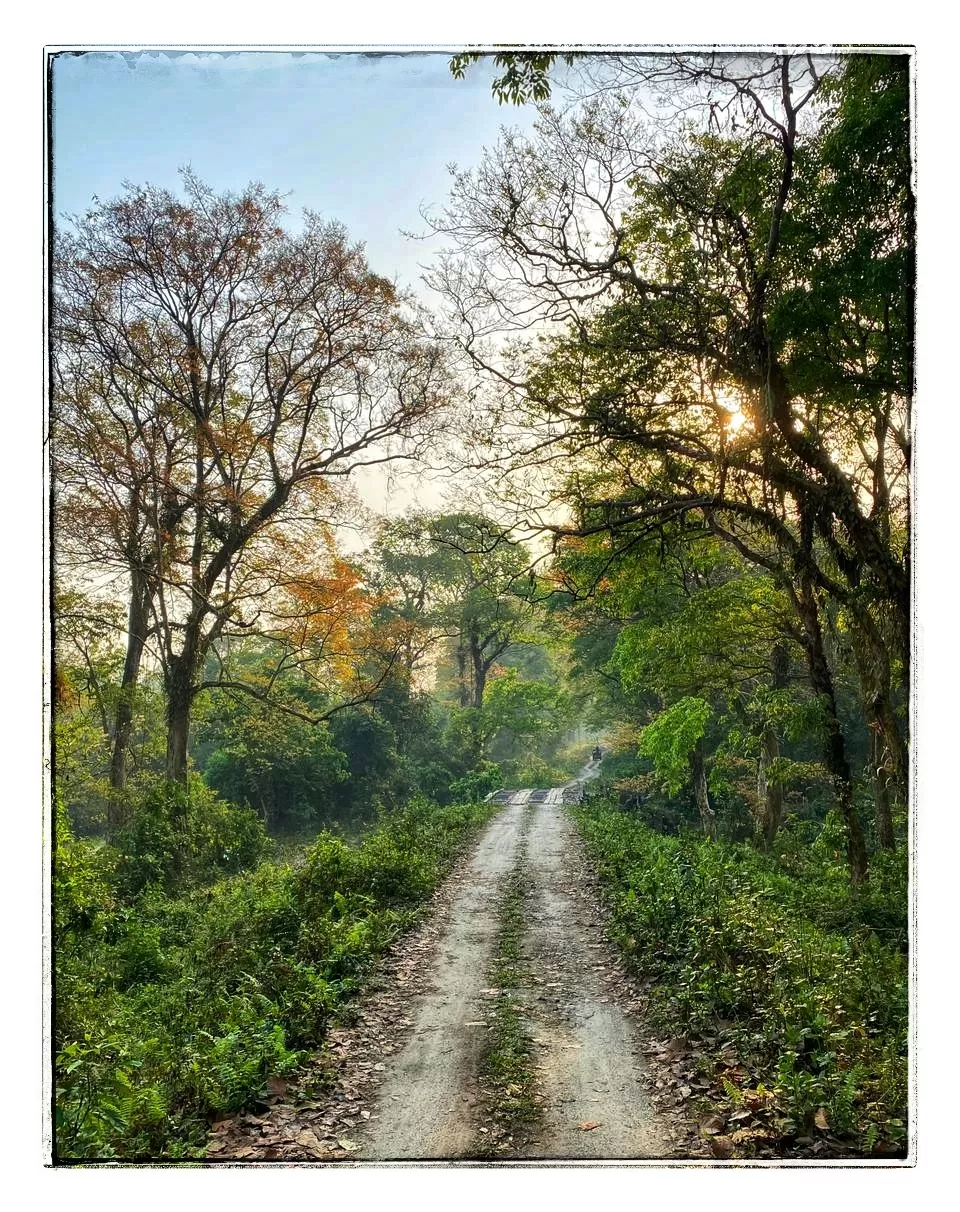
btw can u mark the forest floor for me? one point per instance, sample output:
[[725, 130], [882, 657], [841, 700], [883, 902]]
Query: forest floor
[[504, 1028]]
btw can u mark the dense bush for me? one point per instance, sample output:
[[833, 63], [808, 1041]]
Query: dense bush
[[291, 789], [180, 836], [811, 973], [534, 771], [478, 783], [83, 874], [172, 1010]]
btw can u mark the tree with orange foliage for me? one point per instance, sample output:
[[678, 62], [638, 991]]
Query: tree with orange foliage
[[213, 376]]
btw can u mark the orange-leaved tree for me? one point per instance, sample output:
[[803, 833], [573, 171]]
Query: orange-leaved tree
[[209, 370]]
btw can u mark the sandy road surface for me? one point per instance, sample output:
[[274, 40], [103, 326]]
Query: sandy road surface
[[586, 1058], [425, 1104], [586, 1055]]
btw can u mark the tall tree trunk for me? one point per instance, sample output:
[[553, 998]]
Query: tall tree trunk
[[834, 746], [138, 618], [895, 759], [881, 792], [770, 791], [701, 792], [479, 672], [268, 801], [179, 685], [888, 753], [837, 492], [873, 665], [465, 696]]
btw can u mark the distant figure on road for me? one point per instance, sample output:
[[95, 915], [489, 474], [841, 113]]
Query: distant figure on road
[[597, 753]]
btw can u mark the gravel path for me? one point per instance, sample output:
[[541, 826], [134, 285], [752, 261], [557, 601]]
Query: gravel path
[[588, 1066], [425, 1105]]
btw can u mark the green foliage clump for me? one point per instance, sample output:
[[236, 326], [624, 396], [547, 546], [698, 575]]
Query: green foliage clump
[[477, 784], [82, 755], [811, 973], [81, 872], [179, 836], [282, 766], [175, 1009], [670, 739]]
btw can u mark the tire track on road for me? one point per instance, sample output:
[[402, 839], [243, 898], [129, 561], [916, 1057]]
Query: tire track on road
[[586, 1053], [425, 1106]]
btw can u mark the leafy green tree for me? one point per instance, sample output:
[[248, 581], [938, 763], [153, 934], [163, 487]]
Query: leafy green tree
[[460, 579], [520, 715], [488, 602], [369, 744], [679, 386], [285, 768], [674, 743], [526, 74], [690, 617], [417, 578]]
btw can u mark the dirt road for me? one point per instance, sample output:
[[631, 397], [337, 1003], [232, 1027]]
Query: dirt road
[[587, 1056], [424, 1108], [586, 1059], [412, 1072]]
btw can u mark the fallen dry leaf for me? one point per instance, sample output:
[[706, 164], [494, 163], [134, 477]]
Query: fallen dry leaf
[[711, 1125], [757, 1134], [588, 1125], [821, 1120], [721, 1146]]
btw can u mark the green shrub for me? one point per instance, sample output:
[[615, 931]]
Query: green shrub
[[82, 876], [477, 784], [171, 1010], [817, 995], [180, 836]]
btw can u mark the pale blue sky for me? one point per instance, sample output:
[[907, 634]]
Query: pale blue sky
[[361, 139]]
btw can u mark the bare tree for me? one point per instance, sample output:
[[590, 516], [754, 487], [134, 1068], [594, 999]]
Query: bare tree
[[239, 372]]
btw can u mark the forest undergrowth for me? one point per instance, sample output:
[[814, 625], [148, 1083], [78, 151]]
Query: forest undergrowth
[[176, 1007], [796, 982]]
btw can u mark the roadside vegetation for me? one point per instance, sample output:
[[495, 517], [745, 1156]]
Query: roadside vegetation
[[176, 1008], [774, 957]]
